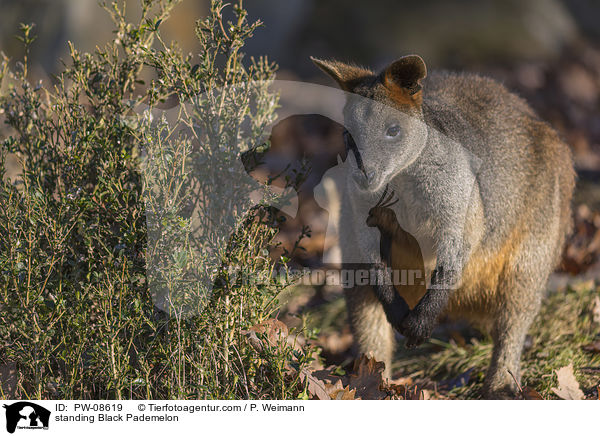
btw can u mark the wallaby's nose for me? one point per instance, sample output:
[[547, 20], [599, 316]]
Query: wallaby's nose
[[363, 178]]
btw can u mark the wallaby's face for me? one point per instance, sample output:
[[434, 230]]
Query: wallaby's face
[[383, 115]]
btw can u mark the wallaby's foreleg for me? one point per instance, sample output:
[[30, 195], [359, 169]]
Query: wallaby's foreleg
[[419, 324], [372, 332], [395, 307]]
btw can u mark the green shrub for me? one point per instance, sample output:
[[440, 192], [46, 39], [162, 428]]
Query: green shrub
[[77, 314]]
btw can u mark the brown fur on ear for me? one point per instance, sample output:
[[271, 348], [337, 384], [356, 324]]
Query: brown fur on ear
[[347, 76], [403, 77]]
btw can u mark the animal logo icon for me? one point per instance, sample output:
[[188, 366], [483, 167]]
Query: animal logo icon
[[27, 415]]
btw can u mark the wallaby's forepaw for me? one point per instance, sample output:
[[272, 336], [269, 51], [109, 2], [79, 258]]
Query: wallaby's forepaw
[[417, 329]]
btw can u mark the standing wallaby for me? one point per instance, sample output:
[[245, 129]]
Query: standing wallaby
[[483, 184]]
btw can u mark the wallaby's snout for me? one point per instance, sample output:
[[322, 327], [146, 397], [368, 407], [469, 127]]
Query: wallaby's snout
[[363, 177]]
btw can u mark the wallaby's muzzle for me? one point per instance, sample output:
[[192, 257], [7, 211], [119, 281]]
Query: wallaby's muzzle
[[362, 177]]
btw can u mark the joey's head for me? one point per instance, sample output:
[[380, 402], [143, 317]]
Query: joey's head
[[383, 117], [381, 215]]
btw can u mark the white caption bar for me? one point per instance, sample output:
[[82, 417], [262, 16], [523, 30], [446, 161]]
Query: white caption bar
[[285, 418]]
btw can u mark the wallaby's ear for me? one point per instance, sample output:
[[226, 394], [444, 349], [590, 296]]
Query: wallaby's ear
[[347, 76], [406, 74]]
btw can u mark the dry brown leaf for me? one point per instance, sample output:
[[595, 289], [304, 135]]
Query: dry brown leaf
[[399, 387], [344, 394], [337, 391], [334, 384], [327, 375], [593, 347], [333, 387], [568, 387], [275, 330], [530, 394], [315, 386], [368, 378]]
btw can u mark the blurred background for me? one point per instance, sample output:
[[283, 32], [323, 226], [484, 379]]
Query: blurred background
[[548, 51]]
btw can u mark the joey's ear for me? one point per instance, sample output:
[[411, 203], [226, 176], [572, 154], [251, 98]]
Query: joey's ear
[[347, 76], [405, 74]]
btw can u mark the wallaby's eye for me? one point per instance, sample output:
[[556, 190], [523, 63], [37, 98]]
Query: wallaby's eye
[[393, 131]]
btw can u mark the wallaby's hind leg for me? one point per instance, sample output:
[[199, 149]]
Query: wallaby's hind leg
[[373, 333], [522, 285], [508, 332], [509, 337]]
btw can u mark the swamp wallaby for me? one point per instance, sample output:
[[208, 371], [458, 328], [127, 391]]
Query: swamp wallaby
[[484, 186]]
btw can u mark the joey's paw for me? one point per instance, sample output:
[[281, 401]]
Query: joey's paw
[[417, 329]]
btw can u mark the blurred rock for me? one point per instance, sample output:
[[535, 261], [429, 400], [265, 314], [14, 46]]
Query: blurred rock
[[579, 85]]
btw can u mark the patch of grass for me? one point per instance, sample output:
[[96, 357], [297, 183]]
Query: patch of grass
[[560, 330]]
